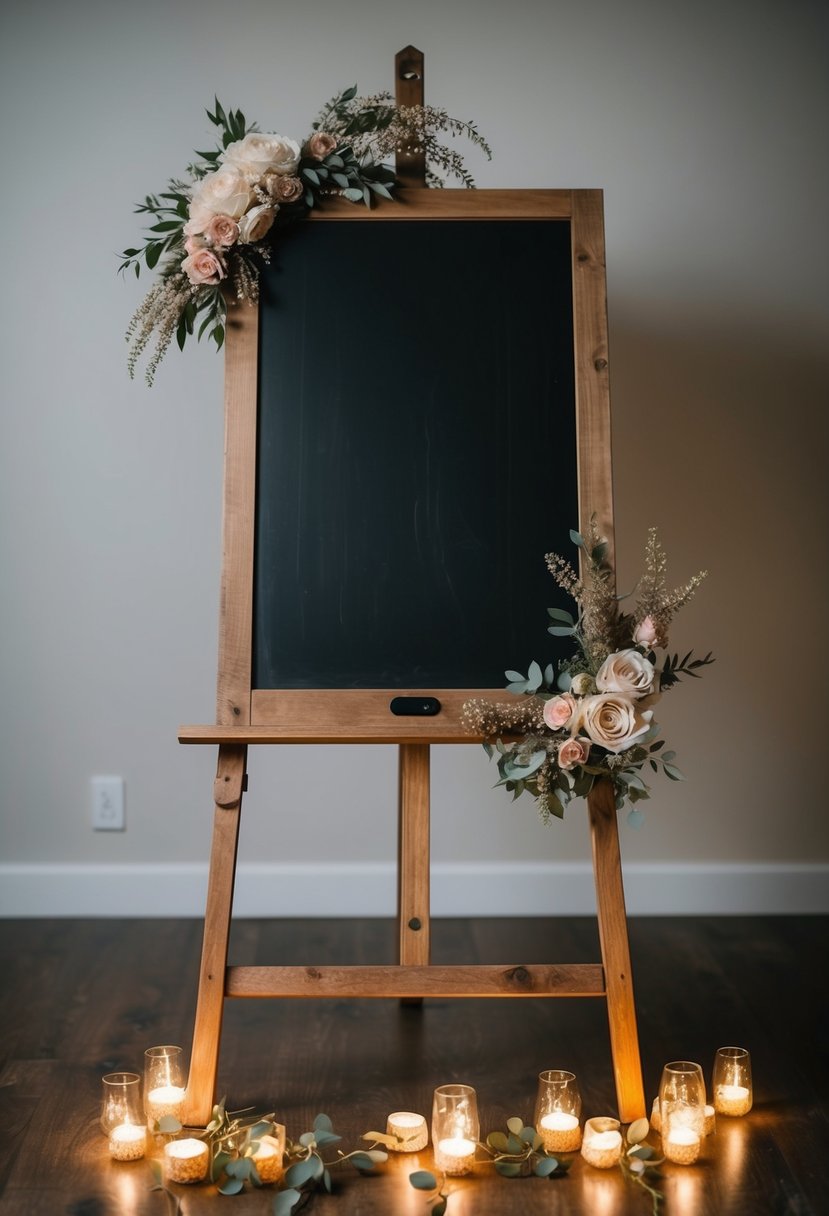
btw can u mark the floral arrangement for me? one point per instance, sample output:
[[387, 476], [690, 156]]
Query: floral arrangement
[[212, 233], [593, 717]]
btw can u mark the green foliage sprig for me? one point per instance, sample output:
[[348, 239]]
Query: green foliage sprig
[[519, 1152], [640, 1164], [310, 1171]]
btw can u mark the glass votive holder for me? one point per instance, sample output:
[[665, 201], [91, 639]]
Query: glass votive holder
[[558, 1111], [186, 1160], [455, 1128], [269, 1156], [682, 1111], [410, 1130], [122, 1118], [601, 1143], [710, 1118], [164, 1090], [733, 1091]]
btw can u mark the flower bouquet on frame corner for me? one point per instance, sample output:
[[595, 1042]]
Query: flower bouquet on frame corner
[[592, 717], [213, 233]]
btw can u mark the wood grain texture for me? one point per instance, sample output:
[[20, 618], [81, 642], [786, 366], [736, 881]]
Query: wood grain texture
[[410, 162], [85, 997], [413, 869], [613, 935], [236, 593], [207, 1031], [578, 980]]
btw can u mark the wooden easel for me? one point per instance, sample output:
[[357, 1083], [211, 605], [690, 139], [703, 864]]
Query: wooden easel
[[248, 716]]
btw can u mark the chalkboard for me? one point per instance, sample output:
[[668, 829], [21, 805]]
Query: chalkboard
[[416, 411], [416, 452]]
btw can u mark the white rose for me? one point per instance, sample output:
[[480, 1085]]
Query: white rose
[[628, 672], [225, 192], [258, 153], [613, 721], [255, 223]]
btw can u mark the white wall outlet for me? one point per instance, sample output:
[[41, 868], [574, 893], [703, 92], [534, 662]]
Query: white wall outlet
[[108, 804]]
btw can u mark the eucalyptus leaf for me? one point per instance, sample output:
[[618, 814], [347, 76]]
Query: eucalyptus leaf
[[362, 1161], [515, 1125], [301, 1171], [307, 1139], [545, 1166], [423, 1180], [673, 772], [637, 1131], [515, 1146], [169, 1125], [326, 1181], [326, 1138], [561, 631], [498, 1141], [508, 1169], [232, 1186], [285, 1202], [515, 676], [635, 818], [535, 677], [439, 1206], [558, 614], [576, 538]]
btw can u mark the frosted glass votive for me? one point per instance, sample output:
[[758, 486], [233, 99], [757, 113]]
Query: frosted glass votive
[[410, 1129], [185, 1161], [601, 1144]]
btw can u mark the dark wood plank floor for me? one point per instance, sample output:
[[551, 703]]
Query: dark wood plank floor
[[81, 998]]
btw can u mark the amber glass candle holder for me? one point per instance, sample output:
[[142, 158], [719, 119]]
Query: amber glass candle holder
[[558, 1111], [733, 1091]]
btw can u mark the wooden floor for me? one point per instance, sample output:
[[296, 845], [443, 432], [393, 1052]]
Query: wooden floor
[[81, 998]]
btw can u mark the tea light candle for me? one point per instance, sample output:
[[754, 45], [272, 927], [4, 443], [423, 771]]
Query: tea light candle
[[455, 1155], [186, 1160], [732, 1099], [560, 1132], [410, 1130], [602, 1143], [165, 1100], [127, 1142], [268, 1160], [681, 1145]]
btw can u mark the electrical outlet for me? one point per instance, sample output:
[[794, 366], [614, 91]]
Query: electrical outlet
[[108, 804]]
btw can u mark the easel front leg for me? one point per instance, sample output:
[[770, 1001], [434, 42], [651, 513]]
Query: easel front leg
[[204, 1057], [613, 936]]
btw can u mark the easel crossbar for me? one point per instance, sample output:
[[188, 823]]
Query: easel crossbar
[[577, 979]]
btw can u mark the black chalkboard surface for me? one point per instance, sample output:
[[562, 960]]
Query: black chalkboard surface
[[416, 452]]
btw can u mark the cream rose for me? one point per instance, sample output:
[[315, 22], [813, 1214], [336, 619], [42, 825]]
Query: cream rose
[[559, 710], [628, 672], [320, 144], [613, 721], [572, 752], [225, 192], [256, 223], [258, 152], [193, 244], [204, 266], [222, 230], [283, 187]]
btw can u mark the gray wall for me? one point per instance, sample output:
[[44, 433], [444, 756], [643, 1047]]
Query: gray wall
[[704, 123]]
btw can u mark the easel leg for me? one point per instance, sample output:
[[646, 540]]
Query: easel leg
[[414, 934], [204, 1057], [613, 935]]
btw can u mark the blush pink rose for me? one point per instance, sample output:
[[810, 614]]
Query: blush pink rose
[[193, 244], [285, 189], [646, 633], [222, 230], [204, 266], [320, 144], [558, 711], [572, 752]]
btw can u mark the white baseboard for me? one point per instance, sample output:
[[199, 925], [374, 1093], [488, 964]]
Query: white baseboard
[[458, 889]]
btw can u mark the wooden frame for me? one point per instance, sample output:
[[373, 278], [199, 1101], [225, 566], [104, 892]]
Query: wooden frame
[[247, 715]]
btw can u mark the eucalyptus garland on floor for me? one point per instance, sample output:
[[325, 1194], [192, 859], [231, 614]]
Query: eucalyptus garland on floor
[[214, 230]]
